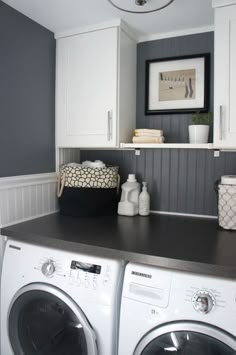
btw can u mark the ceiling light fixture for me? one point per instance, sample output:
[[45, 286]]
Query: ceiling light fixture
[[140, 6]]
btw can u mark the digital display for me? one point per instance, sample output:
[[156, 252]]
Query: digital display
[[92, 268]]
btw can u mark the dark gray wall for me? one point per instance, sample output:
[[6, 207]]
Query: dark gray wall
[[179, 180], [27, 91]]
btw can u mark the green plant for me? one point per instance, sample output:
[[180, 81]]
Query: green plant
[[204, 118]]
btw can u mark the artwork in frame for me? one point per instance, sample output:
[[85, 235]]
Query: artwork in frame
[[176, 85]]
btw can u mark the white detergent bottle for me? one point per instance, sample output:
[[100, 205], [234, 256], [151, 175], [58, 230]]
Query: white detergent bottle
[[144, 201], [128, 205]]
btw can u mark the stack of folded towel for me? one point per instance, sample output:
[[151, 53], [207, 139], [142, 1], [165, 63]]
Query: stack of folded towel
[[144, 135]]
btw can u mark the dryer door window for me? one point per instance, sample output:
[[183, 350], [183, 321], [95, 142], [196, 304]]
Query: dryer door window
[[44, 323], [203, 340]]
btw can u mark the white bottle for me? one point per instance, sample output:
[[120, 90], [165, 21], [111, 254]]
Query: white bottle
[[144, 201], [128, 205]]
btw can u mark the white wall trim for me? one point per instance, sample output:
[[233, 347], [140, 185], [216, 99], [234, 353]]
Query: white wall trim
[[177, 33], [26, 180], [26, 197], [184, 214]]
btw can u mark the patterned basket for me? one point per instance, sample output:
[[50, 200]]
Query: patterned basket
[[85, 177], [85, 191]]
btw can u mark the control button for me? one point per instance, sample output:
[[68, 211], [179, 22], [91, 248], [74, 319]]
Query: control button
[[203, 301], [106, 280], [86, 284], [48, 268], [72, 277]]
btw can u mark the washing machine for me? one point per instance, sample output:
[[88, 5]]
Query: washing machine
[[55, 302], [164, 312]]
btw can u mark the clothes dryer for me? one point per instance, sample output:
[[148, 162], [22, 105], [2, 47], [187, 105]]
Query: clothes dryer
[[164, 312], [58, 302]]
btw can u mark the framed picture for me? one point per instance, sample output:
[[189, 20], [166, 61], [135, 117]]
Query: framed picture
[[175, 85]]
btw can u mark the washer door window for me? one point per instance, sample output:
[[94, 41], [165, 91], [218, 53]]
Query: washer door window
[[186, 339], [45, 321]]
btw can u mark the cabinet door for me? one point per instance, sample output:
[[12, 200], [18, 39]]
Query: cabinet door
[[225, 77], [87, 89]]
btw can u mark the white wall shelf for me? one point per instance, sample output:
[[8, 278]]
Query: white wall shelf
[[166, 145]]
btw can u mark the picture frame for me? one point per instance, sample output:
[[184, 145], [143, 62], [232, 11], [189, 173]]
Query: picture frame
[[177, 84]]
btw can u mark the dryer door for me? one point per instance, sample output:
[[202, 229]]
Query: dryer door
[[186, 339], [45, 321]]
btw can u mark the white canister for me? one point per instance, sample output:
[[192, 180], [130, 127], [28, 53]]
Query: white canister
[[227, 202]]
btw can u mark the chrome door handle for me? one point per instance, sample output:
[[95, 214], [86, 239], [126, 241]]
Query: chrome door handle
[[221, 123], [109, 125]]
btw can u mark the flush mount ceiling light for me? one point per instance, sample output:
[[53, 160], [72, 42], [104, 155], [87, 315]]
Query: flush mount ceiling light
[[140, 6]]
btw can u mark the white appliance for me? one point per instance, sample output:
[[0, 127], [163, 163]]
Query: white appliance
[[164, 312], [58, 302]]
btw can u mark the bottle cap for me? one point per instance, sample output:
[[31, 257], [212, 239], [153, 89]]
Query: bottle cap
[[131, 178]]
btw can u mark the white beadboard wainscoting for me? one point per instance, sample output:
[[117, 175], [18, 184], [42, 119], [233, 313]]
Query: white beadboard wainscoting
[[26, 197]]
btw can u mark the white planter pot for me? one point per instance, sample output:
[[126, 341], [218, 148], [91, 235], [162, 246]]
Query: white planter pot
[[198, 133]]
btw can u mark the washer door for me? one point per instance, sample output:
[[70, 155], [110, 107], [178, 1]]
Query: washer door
[[45, 321], [186, 339]]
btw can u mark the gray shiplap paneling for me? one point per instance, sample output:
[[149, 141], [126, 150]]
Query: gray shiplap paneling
[[179, 180], [175, 126]]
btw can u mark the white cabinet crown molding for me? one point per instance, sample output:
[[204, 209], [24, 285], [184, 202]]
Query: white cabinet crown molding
[[96, 27], [222, 3], [177, 33]]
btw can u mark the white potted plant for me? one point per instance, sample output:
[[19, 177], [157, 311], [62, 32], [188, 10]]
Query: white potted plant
[[199, 130]]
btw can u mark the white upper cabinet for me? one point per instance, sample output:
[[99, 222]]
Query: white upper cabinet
[[225, 74], [95, 88]]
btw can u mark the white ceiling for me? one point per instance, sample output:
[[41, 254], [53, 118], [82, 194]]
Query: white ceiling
[[60, 15]]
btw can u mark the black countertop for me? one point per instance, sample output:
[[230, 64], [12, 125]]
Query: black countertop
[[183, 243]]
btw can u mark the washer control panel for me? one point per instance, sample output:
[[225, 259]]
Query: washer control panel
[[203, 301]]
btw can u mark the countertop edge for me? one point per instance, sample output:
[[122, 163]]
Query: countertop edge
[[196, 267]]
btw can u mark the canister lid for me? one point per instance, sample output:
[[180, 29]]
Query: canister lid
[[228, 180]]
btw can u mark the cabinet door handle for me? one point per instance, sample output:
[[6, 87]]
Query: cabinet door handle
[[109, 125], [221, 123]]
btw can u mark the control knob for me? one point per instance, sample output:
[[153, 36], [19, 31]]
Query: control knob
[[203, 302], [48, 268]]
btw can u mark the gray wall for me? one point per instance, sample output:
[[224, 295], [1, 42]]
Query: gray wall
[[27, 91], [179, 180]]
